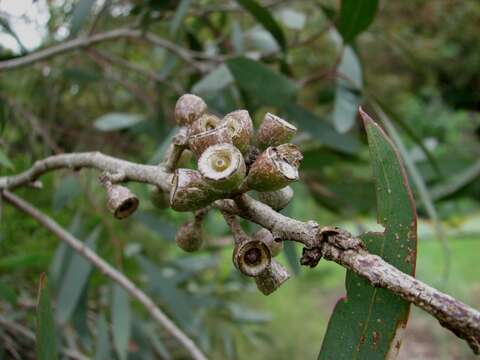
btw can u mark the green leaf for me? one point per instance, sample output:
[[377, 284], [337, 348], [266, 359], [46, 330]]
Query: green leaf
[[355, 17], [5, 161], [263, 16], [291, 255], [347, 93], [121, 321], [322, 130], [75, 281], [67, 190], [117, 121], [368, 323], [102, 348], [263, 84], [7, 293], [80, 14], [180, 14], [157, 224], [45, 331], [213, 82]]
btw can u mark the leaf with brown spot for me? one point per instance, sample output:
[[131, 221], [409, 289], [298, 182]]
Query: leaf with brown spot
[[368, 322]]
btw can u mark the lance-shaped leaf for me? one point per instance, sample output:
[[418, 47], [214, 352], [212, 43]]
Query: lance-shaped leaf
[[355, 17], [368, 322], [46, 343]]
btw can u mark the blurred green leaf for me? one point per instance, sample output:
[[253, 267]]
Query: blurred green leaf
[[121, 321], [214, 81], [365, 323], [349, 84], [80, 14], [180, 14], [46, 348], [5, 161], [321, 130], [290, 252], [155, 222], [263, 16], [7, 293], [75, 281], [117, 121], [102, 348], [263, 84], [355, 17], [66, 191], [245, 315]]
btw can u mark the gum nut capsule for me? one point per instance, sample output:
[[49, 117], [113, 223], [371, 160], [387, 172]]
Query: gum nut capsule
[[121, 201], [274, 131], [204, 123], [271, 171], [222, 167], [189, 237], [189, 191], [159, 198], [266, 237], [240, 126], [251, 257], [272, 278], [290, 153], [278, 199], [198, 143], [189, 108]]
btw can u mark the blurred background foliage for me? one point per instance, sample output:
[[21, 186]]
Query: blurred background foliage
[[416, 67]]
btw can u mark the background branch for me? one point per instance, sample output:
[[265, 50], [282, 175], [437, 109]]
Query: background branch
[[108, 271]]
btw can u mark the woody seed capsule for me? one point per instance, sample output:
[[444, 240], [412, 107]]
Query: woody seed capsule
[[189, 108], [266, 237], [274, 131], [189, 191], [272, 278], [240, 127], [204, 123], [278, 199], [121, 201], [222, 167], [189, 237], [198, 143], [274, 169], [251, 257]]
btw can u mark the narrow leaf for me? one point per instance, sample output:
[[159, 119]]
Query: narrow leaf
[[263, 84], [117, 121], [368, 323], [102, 349], [121, 321], [45, 334], [263, 16], [355, 17], [67, 190], [75, 281], [180, 14], [80, 14]]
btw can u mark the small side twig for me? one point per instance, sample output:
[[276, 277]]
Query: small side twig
[[107, 270]]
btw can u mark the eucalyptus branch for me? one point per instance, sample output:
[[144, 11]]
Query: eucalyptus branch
[[331, 244], [84, 42], [107, 270]]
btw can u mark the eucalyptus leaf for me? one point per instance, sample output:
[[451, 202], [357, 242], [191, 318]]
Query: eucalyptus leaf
[[103, 347], [355, 17], [66, 192], [80, 14], [117, 121], [46, 347], [218, 79], [5, 161], [121, 321]]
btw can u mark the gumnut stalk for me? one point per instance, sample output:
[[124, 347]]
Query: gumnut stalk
[[266, 237], [278, 199], [272, 278], [189, 108], [274, 131], [189, 191], [251, 257], [120, 200], [275, 168], [222, 166], [189, 237], [200, 142], [240, 126]]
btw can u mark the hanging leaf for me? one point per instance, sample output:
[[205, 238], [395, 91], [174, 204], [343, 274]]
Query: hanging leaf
[[368, 323], [75, 281], [80, 14], [46, 343], [102, 348], [322, 130], [117, 121], [180, 14], [263, 16], [349, 85], [355, 17], [213, 82], [121, 321], [66, 191], [263, 84]]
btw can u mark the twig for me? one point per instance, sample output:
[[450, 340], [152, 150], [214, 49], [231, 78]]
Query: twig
[[345, 250], [83, 42], [107, 270]]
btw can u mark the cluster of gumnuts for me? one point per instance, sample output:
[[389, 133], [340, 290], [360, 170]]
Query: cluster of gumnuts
[[232, 159]]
